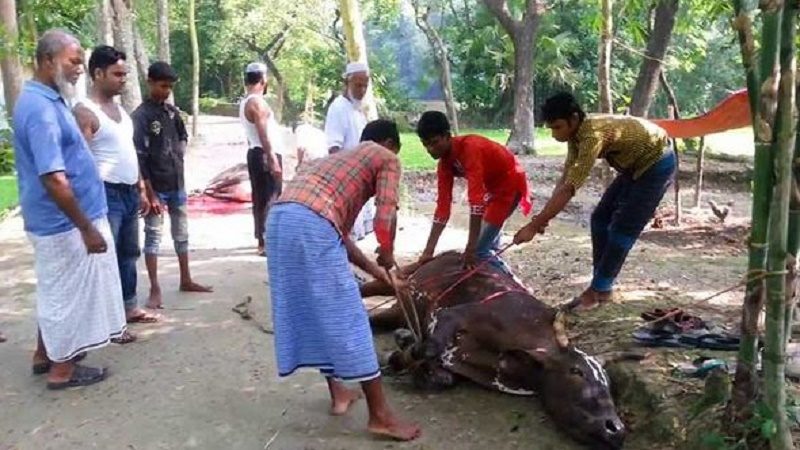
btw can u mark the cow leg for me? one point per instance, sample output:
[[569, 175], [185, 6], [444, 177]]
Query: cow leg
[[376, 288], [379, 288], [387, 319]]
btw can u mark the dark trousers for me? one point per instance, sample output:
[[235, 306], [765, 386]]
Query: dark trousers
[[624, 210], [265, 189], [123, 217]]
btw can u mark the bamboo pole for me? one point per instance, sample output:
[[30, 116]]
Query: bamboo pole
[[783, 148], [745, 387]]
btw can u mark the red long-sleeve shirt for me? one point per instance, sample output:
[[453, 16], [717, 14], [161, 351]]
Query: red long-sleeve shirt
[[495, 179]]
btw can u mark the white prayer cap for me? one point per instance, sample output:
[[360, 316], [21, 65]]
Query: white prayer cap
[[256, 67], [356, 67]]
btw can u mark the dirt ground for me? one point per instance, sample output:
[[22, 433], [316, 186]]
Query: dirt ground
[[204, 378]]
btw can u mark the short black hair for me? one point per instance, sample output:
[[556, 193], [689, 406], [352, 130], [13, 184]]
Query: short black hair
[[251, 78], [562, 106], [380, 130], [432, 124], [161, 71], [104, 56]]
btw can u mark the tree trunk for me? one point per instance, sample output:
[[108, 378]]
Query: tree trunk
[[124, 40], [745, 387], [698, 185], [793, 243], [105, 22], [604, 73], [162, 11], [281, 93], [657, 44], [9, 55], [440, 57], [356, 47], [604, 62], [195, 68], [675, 113], [140, 52], [783, 148], [523, 34]]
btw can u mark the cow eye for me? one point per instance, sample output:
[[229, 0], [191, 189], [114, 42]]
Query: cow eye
[[576, 371]]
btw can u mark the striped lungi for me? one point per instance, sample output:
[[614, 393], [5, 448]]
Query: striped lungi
[[319, 318], [78, 295]]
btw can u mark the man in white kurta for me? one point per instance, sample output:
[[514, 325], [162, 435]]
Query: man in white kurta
[[343, 126]]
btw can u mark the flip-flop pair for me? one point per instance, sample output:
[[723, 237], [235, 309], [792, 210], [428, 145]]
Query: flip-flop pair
[[696, 338], [81, 376]]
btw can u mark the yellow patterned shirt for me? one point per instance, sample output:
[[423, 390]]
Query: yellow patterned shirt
[[629, 144]]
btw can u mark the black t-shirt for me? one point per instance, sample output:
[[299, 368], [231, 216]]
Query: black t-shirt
[[160, 137]]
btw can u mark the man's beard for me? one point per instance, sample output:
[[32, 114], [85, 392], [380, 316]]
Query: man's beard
[[356, 103], [65, 87]]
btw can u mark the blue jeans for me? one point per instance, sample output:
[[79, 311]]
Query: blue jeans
[[624, 210], [489, 243], [123, 217], [175, 203]]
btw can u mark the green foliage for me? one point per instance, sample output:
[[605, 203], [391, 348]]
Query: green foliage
[[6, 152], [8, 193]]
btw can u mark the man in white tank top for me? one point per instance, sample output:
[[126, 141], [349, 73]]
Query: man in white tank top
[[109, 132], [265, 147]]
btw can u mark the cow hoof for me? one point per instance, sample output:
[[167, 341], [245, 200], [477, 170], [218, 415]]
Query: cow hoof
[[404, 338]]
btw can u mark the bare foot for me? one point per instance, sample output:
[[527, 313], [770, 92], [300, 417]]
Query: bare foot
[[191, 286], [393, 428], [344, 400], [589, 299], [154, 301], [2, 337]]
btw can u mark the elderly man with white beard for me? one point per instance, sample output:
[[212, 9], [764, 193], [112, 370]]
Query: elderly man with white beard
[[343, 126], [78, 291]]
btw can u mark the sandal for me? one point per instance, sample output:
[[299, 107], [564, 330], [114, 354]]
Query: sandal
[[42, 368], [125, 338], [711, 341], [81, 376], [656, 338], [143, 318]]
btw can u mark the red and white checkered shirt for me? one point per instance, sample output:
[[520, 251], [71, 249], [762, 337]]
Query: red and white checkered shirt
[[338, 186]]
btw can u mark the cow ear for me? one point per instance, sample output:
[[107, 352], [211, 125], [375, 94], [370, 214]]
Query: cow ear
[[560, 330]]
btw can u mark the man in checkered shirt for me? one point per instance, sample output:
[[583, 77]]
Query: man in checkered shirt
[[319, 319]]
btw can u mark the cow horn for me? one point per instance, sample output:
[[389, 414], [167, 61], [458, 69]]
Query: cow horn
[[560, 330]]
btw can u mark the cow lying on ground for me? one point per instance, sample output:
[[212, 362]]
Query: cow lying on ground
[[491, 330]]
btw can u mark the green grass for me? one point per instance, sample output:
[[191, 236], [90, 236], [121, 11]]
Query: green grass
[[414, 156], [8, 192]]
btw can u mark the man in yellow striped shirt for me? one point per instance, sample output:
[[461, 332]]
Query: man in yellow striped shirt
[[639, 150]]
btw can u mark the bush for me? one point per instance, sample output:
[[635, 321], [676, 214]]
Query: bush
[[6, 152]]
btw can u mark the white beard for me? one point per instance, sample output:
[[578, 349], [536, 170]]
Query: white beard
[[356, 103], [65, 88]]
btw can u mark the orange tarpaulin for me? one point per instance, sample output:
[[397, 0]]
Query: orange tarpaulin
[[731, 113]]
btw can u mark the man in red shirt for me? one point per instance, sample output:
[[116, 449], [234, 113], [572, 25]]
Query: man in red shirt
[[318, 315], [496, 184]]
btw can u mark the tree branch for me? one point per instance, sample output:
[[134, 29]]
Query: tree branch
[[500, 10]]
